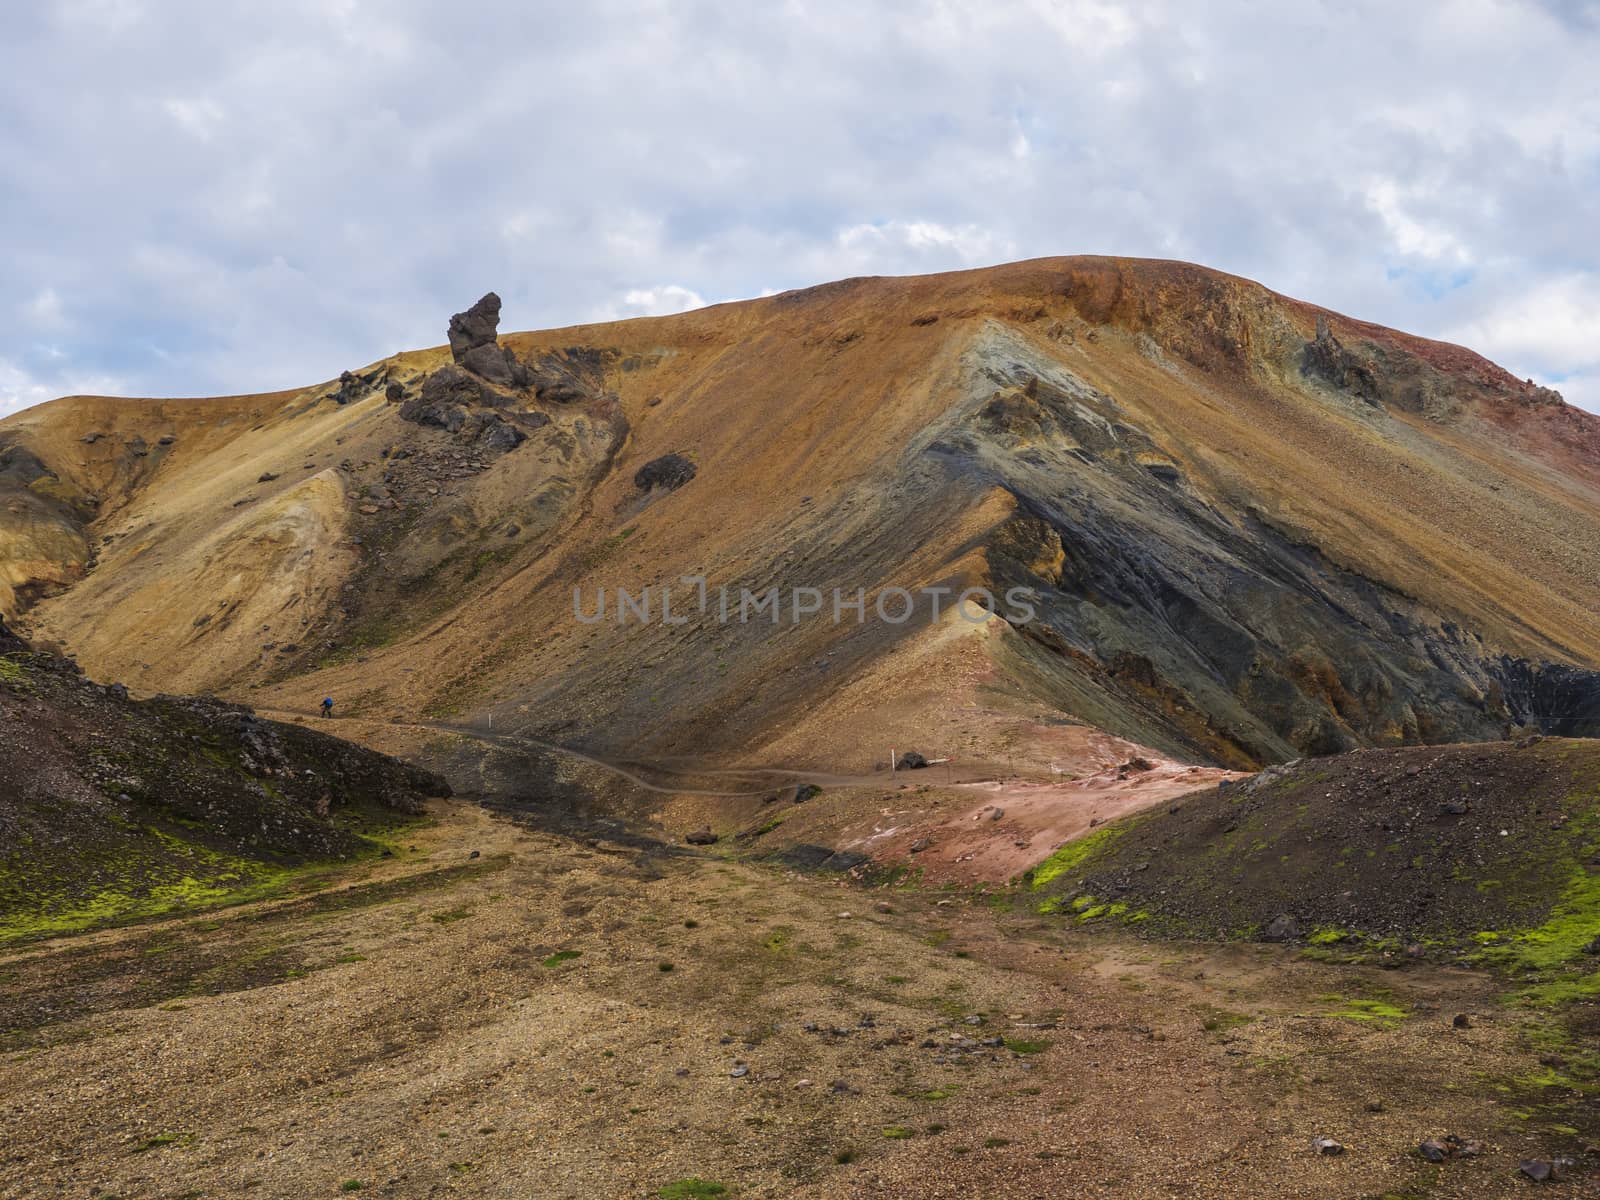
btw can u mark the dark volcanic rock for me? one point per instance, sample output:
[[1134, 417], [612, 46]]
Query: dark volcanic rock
[[394, 393], [446, 390], [1282, 928], [1326, 358], [670, 471], [701, 837], [575, 375], [110, 792], [912, 761], [476, 327], [488, 362], [494, 363], [500, 436]]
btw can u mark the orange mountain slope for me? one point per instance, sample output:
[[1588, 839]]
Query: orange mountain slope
[[1248, 528]]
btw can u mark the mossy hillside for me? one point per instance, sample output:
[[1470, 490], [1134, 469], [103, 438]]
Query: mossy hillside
[[113, 809], [1487, 851]]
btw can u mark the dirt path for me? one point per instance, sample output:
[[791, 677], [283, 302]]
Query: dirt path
[[506, 1025]]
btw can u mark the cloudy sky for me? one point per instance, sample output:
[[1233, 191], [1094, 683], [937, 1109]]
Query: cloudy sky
[[199, 196]]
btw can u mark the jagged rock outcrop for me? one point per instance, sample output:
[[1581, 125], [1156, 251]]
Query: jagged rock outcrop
[[484, 375], [476, 327], [1326, 358], [474, 345]]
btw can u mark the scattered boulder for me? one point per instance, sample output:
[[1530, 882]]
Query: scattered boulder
[[701, 837], [1542, 1170], [1327, 1145], [265, 477], [500, 436], [912, 761], [670, 471], [921, 844], [349, 386], [1282, 928], [1438, 1150], [394, 393]]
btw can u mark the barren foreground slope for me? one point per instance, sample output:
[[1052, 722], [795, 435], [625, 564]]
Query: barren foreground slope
[[561, 1018]]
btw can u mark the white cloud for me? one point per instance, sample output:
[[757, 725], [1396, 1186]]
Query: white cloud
[[655, 302], [44, 310], [1411, 236], [199, 118], [1557, 321], [237, 198], [19, 389], [967, 245]]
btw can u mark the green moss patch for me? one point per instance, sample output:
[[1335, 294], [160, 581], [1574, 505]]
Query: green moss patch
[[1074, 854]]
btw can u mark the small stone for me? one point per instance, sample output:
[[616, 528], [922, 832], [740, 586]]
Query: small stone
[[1434, 1150], [1326, 1145], [701, 837], [1461, 1021], [1374, 1106], [475, 854], [884, 906], [801, 1083], [918, 846], [1537, 1169], [740, 1070]]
